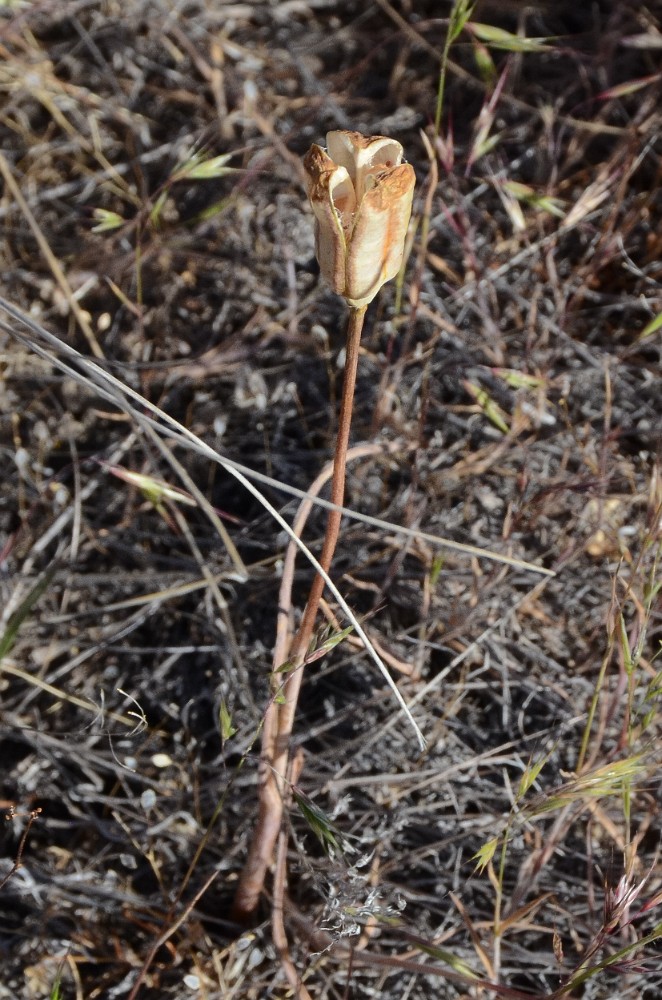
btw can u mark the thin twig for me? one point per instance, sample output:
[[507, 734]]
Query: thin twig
[[18, 861], [168, 933]]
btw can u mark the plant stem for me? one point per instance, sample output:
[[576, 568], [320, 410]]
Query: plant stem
[[279, 717], [304, 635]]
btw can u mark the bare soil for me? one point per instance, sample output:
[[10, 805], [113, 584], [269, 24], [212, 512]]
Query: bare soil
[[510, 387]]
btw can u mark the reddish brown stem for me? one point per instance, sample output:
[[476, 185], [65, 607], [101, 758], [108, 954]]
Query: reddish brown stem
[[279, 718], [304, 636]]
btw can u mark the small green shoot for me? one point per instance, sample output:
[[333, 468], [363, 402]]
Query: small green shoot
[[652, 327], [318, 822], [154, 490], [460, 14], [485, 854], [106, 221], [513, 208], [499, 38], [436, 568], [285, 667], [530, 775], [56, 988], [225, 720], [492, 410], [157, 208], [599, 783], [484, 63], [316, 652], [211, 211], [442, 955], [330, 643], [652, 698], [196, 168], [525, 193], [519, 380], [16, 619]]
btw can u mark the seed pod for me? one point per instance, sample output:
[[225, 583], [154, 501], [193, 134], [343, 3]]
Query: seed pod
[[361, 193]]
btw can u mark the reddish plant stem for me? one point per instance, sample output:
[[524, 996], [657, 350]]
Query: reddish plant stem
[[279, 717], [304, 635]]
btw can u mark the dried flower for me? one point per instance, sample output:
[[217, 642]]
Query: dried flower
[[361, 193]]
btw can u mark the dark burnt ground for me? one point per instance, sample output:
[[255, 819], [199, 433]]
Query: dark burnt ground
[[513, 388]]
